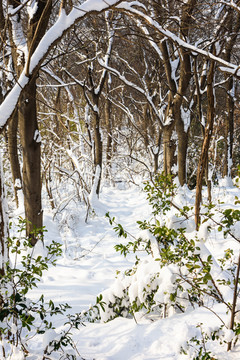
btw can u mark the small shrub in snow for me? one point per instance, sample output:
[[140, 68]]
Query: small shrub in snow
[[21, 319], [179, 272], [196, 347]]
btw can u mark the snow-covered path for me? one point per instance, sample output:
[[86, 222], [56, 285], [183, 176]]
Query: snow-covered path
[[89, 266], [90, 261]]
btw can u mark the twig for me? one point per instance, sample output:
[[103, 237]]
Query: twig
[[234, 302]]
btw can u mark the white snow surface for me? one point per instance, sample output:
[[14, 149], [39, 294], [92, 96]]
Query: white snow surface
[[88, 267]]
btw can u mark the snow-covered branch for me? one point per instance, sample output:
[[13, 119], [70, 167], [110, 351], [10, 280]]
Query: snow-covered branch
[[232, 4], [135, 87], [52, 37], [130, 7]]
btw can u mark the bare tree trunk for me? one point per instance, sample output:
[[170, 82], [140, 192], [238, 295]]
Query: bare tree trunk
[[109, 135], [27, 110], [169, 149], [208, 181], [232, 25], [146, 124], [156, 152], [182, 149], [4, 229], [184, 80], [206, 142], [234, 303], [228, 129], [47, 177], [97, 149], [13, 154], [31, 142], [168, 141], [175, 99]]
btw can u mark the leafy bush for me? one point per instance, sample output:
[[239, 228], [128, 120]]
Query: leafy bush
[[21, 319], [179, 272]]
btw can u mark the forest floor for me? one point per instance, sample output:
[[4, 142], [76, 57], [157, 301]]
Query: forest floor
[[89, 265]]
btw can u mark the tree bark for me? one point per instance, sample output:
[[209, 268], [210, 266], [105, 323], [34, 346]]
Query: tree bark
[[169, 148], [4, 229], [27, 115], [109, 136], [30, 140], [13, 154], [168, 142], [156, 153], [206, 142], [175, 99], [182, 150], [228, 130], [232, 25], [97, 149]]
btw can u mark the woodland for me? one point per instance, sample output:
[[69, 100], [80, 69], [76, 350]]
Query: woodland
[[111, 93]]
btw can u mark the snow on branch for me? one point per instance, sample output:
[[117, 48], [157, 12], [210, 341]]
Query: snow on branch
[[52, 37], [130, 7], [129, 83], [232, 4], [13, 11]]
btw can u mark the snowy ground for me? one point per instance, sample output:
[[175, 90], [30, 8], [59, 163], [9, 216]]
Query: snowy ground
[[89, 266]]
